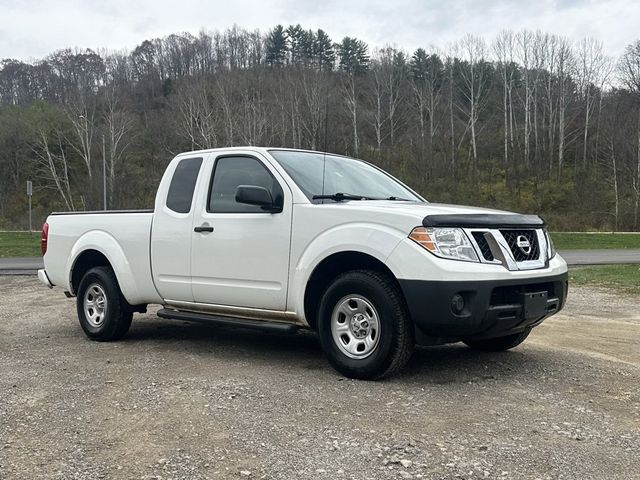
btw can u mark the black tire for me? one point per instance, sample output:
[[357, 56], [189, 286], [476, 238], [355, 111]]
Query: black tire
[[396, 336], [498, 344], [117, 314]]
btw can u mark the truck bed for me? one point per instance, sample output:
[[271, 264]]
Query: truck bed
[[123, 236]]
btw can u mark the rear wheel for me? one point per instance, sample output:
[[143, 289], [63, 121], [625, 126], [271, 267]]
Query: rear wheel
[[103, 312], [499, 344], [364, 326]]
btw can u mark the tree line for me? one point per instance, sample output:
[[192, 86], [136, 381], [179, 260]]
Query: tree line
[[527, 121]]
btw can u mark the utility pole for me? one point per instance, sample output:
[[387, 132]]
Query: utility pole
[[104, 174], [29, 194]]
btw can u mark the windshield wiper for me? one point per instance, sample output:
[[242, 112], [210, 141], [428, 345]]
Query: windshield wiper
[[339, 197], [398, 199]]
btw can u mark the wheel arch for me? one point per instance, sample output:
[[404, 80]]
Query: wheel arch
[[332, 266], [84, 262]]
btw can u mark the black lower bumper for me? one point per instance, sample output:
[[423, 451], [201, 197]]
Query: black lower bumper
[[488, 308]]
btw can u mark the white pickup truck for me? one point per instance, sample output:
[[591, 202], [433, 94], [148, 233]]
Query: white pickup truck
[[281, 239]]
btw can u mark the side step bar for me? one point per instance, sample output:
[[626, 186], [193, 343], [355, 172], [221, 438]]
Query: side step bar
[[264, 326]]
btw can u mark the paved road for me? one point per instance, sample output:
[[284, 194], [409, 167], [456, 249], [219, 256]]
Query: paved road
[[29, 265], [600, 257], [20, 265]]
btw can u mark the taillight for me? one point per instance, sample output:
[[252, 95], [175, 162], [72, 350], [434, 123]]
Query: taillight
[[45, 237]]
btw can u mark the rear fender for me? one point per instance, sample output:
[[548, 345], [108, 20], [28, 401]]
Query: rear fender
[[108, 246]]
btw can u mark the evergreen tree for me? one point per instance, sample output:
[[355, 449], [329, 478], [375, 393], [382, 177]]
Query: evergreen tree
[[419, 65], [276, 45], [354, 58], [425, 68], [307, 47], [295, 40], [323, 51]]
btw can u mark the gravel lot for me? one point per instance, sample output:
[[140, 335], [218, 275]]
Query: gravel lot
[[178, 400]]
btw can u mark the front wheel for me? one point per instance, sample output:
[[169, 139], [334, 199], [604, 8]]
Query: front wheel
[[498, 344], [103, 312], [364, 326]]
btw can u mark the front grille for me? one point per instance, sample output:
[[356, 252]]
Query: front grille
[[484, 245], [520, 254]]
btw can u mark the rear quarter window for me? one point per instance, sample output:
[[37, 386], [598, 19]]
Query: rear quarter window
[[183, 185]]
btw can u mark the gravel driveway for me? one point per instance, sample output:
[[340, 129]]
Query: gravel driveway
[[187, 401]]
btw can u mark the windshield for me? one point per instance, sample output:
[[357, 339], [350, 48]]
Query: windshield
[[320, 174]]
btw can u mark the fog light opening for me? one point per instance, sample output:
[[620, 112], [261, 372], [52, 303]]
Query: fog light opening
[[457, 304]]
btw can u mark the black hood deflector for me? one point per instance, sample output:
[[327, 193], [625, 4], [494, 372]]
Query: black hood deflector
[[483, 220]]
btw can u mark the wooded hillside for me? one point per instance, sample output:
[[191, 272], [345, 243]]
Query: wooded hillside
[[527, 121]]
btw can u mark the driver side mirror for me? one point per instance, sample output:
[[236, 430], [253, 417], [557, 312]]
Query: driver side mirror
[[259, 196]]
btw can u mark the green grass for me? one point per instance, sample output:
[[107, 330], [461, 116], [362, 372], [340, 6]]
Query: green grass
[[621, 277], [591, 241], [20, 244]]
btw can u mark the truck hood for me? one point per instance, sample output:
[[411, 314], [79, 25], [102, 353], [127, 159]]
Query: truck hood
[[411, 214], [424, 209]]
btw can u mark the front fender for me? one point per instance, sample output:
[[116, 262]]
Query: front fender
[[106, 244], [372, 239]]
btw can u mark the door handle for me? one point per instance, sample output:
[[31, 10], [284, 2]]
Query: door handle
[[203, 228]]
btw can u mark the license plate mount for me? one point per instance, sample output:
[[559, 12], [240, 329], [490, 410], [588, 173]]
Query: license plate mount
[[534, 304]]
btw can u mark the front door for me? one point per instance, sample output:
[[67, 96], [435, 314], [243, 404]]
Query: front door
[[240, 255]]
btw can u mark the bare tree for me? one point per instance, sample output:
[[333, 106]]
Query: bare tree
[[81, 113], [118, 124], [54, 166], [378, 118], [315, 95], [451, 62], [350, 97], [196, 119], [611, 162], [504, 49], [427, 81], [550, 94], [593, 70], [539, 57], [393, 74], [565, 63], [254, 120], [224, 96], [525, 41], [472, 70]]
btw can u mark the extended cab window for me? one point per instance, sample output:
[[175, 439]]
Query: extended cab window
[[229, 173], [183, 184]]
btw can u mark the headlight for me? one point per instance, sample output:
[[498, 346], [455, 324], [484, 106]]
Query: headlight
[[445, 242], [551, 248]]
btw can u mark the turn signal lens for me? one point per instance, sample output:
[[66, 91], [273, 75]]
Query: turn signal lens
[[421, 236]]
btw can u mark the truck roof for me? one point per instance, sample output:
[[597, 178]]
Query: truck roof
[[253, 148]]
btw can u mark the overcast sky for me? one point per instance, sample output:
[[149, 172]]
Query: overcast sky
[[33, 28]]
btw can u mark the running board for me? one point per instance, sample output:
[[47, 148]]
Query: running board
[[264, 326]]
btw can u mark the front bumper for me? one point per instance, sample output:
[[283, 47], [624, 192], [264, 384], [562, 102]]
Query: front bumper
[[492, 308]]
